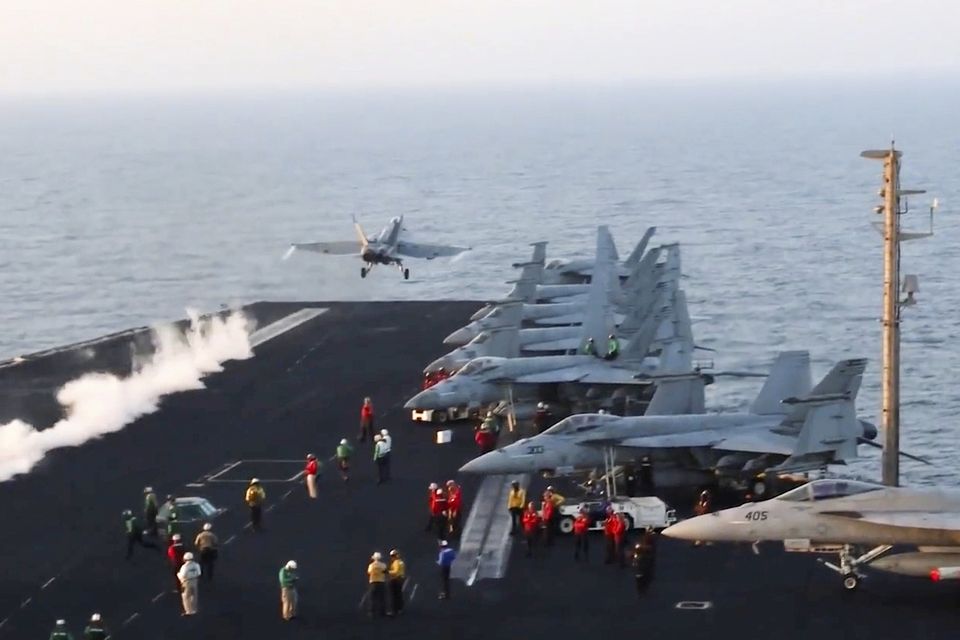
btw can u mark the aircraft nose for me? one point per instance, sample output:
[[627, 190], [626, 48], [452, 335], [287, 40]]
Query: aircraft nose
[[427, 399], [461, 336], [495, 462], [697, 528], [436, 365]]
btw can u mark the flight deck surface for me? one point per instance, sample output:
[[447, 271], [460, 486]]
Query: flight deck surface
[[64, 545]]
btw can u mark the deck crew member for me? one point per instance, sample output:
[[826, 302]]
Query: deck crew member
[[613, 348], [620, 537], [255, 498], [289, 599], [206, 542], [60, 631], [344, 451], [702, 508], [454, 502], [189, 576], [609, 527], [311, 474], [445, 560], [94, 630], [531, 527], [377, 576], [397, 572], [366, 420], [581, 528], [387, 441], [150, 510], [516, 498], [589, 348], [541, 418], [134, 533], [380, 453], [438, 513], [556, 500], [173, 523], [548, 512], [175, 554], [431, 496]]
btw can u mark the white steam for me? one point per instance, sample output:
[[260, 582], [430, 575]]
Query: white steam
[[99, 403]]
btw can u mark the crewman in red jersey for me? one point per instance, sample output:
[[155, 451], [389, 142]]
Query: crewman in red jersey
[[581, 525], [549, 515], [609, 526], [311, 472], [531, 527], [175, 553], [366, 420], [438, 511], [454, 502]]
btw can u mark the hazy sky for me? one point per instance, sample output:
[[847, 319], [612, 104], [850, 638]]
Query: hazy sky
[[136, 45]]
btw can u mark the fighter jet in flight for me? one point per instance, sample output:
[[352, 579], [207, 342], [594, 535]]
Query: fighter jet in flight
[[388, 247], [788, 428], [832, 515]]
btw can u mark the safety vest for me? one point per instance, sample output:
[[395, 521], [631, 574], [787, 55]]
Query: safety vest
[[189, 572], [397, 570], [376, 571], [516, 499], [344, 451], [288, 578], [255, 495], [205, 540]]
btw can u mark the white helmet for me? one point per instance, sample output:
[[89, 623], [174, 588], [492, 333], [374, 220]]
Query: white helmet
[[95, 617], [291, 564], [433, 486], [602, 412], [377, 437], [207, 526], [384, 432], [376, 555], [343, 441], [60, 623], [254, 480], [145, 490], [541, 405], [176, 537], [188, 556]]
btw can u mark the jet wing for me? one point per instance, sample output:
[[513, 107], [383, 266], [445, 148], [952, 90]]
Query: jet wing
[[906, 519], [336, 248], [751, 442], [585, 375], [566, 344], [427, 251]]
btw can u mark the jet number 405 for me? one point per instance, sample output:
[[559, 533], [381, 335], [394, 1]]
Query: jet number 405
[[756, 516]]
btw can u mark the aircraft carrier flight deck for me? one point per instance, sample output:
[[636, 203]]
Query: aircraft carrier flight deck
[[64, 545]]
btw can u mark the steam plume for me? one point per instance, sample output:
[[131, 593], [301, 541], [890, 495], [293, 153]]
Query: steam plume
[[99, 403]]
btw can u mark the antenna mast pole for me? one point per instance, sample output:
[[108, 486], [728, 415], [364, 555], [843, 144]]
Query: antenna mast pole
[[890, 381]]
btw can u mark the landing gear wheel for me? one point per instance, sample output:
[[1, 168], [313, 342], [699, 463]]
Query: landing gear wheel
[[566, 524], [406, 274], [363, 272], [851, 581]]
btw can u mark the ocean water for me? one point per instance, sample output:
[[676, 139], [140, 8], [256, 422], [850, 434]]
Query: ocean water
[[117, 212]]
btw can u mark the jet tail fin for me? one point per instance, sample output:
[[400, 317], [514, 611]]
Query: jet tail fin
[[641, 248], [681, 395], [789, 377], [361, 236], [531, 274], [842, 382]]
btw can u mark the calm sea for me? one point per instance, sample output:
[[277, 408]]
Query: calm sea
[[116, 212]]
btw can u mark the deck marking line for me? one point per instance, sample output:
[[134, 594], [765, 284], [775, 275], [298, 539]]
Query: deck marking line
[[229, 540], [135, 615], [414, 592], [283, 325], [26, 602], [48, 583], [158, 596], [693, 605]]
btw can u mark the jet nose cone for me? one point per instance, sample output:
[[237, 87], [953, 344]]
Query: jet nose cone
[[697, 528], [423, 400], [477, 465], [461, 336]]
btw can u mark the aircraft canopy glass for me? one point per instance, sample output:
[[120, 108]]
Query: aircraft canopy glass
[[476, 366], [828, 488], [580, 423]]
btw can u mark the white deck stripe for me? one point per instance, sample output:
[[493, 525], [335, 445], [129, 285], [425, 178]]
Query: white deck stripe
[[48, 583], [131, 618], [283, 325]]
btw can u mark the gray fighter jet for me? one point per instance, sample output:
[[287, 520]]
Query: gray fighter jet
[[579, 270], [788, 428], [388, 247], [833, 515], [659, 266]]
